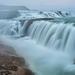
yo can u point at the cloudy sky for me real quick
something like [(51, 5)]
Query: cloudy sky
[(41, 4)]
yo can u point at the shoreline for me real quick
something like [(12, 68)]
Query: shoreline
[(11, 63)]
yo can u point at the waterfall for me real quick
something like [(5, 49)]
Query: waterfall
[(48, 47), (52, 34)]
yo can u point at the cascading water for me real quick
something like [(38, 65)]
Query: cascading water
[(48, 47), (9, 27), (55, 35)]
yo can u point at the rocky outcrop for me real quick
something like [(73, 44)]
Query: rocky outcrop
[(11, 63)]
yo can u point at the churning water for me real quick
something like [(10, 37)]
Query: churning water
[(48, 47)]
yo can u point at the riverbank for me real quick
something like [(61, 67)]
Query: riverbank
[(11, 63)]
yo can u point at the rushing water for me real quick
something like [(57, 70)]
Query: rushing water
[(48, 47)]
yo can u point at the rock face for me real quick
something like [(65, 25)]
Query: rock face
[(11, 63)]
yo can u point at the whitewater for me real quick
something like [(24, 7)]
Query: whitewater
[(48, 47)]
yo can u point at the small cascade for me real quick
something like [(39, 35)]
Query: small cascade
[(13, 28), (9, 27), (23, 29)]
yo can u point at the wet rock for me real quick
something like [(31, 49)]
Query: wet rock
[(11, 63)]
